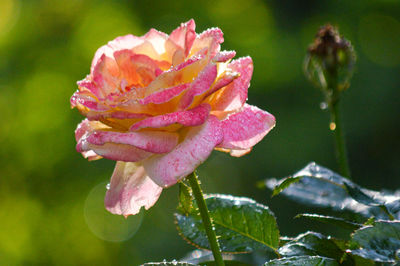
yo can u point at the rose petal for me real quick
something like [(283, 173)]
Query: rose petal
[(192, 117), (166, 170), (188, 61), (123, 42), (184, 36), (114, 114), (164, 95), (151, 141), (223, 80), (87, 126), (157, 40), (199, 86), (115, 152), (137, 69), (83, 128), (106, 76), (246, 128), (211, 38), (88, 84), (86, 99), (233, 96), (130, 190), (224, 56), (174, 77), (112, 151)]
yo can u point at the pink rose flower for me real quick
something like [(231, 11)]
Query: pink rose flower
[(159, 105)]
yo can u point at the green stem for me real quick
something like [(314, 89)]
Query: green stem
[(341, 153), (205, 216), (336, 124)]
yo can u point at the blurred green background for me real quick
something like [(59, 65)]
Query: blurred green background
[(51, 199)]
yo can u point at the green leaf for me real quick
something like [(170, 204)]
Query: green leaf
[(313, 244), (227, 262), (205, 257), (185, 198), (371, 221), (285, 184), (241, 224), (331, 220), (374, 200), (175, 263), (320, 187), (380, 242), (303, 261), (356, 193), (285, 239)]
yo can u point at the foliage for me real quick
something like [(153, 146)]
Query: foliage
[(303, 260), (242, 225), (245, 226), (336, 192)]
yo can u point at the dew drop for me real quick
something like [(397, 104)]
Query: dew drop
[(323, 105), (397, 254), (332, 126), (196, 254), (108, 186)]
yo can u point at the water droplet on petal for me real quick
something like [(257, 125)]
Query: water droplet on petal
[(108, 186)]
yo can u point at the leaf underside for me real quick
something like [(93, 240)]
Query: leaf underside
[(320, 187), (303, 261), (380, 242)]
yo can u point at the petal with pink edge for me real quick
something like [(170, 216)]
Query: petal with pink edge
[(164, 95), (192, 117), (184, 36), (123, 42), (130, 190), (224, 56), (157, 40), (211, 38), (87, 99), (106, 76), (112, 151), (199, 86), (88, 84), (87, 126), (137, 69), (166, 170), (223, 80), (151, 141), (115, 114), (83, 128), (245, 128), (233, 96)]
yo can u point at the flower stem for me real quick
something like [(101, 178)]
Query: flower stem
[(341, 153), (205, 216), (333, 100)]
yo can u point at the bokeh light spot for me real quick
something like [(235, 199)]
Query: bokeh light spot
[(379, 37), (107, 226), (8, 15), (101, 24), (19, 217)]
